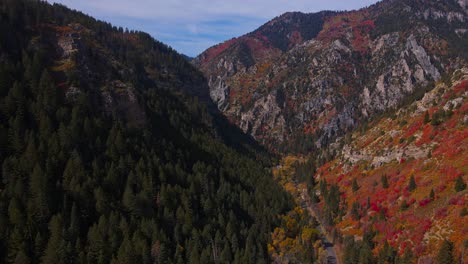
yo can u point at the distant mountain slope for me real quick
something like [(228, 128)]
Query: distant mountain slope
[(107, 157), (402, 180), (306, 78)]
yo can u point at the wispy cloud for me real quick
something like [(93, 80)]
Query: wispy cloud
[(191, 26)]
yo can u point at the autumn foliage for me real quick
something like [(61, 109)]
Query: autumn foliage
[(408, 178)]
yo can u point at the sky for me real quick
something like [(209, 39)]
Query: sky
[(191, 26)]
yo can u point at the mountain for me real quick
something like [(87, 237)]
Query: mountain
[(301, 80), (401, 182), (111, 153)]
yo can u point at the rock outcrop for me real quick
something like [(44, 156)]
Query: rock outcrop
[(319, 75)]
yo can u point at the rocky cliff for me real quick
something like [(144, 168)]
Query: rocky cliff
[(306, 78)]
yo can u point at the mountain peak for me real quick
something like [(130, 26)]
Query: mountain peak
[(304, 75)]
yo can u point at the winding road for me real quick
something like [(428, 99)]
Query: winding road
[(332, 257)]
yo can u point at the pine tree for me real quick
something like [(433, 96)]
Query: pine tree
[(38, 246), (387, 254), (407, 257), (22, 258), (74, 174), (15, 244), (128, 198), (384, 180), (226, 255), (412, 184), (365, 255), (460, 185), (16, 131), (445, 255), (355, 185), (355, 210), (74, 228), (426, 118), (48, 94), (194, 256), (16, 212), (404, 205), (126, 252), (96, 244), (55, 250), (39, 205)]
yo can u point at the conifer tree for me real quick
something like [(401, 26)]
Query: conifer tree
[(460, 185), (15, 244), (39, 205), (355, 185), (445, 255), (426, 118), (365, 254), (432, 195), (412, 184), (55, 250), (48, 94), (384, 180)]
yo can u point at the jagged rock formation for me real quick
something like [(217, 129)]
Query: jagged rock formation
[(321, 74)]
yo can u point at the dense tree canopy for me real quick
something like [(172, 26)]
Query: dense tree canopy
[(84, 184)]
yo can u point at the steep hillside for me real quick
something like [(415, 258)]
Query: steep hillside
[(306, 78), (106, 156), (400, 184)]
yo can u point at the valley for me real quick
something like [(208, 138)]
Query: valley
[(377, 195), (329, 137)]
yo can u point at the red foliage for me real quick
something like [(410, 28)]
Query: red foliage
[(441, 188), (424, 202), (295, 38), (340, 178), (462, 87), (457, 200), (343, 196), (413, 129), (262, 37), (426, 136), (216, 50), (368, 23), (441, 213), (419, 249), (450, 172), (464, 108)]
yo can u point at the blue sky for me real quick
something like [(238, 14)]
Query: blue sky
[(191, 26)]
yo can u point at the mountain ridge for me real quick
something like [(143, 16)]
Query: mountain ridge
[(351, 50)]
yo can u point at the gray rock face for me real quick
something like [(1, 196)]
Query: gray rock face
[(219, 92), (422, 57), (265, 115), (327, 85), (399, 78)]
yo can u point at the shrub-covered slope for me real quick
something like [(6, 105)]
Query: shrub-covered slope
[(401, 181)]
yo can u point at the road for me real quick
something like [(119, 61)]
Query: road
[(332, 257)]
